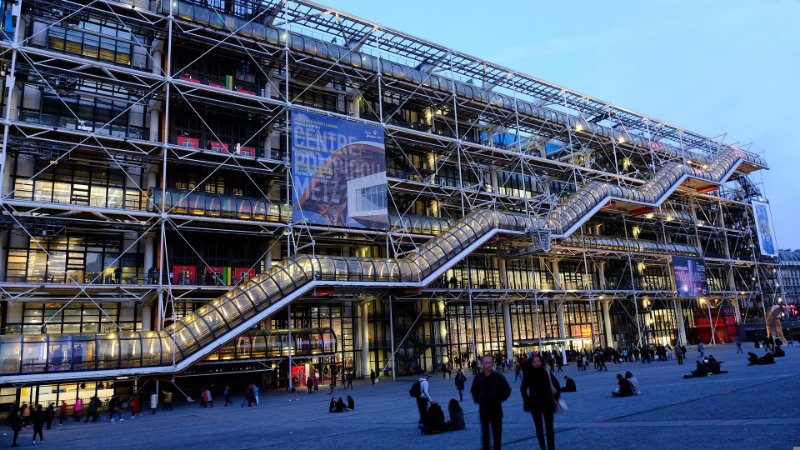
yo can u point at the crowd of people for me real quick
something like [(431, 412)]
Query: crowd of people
[(539, 389)]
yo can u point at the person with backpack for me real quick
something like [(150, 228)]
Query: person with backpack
[(490, 390), (420, 391), (461, 380)]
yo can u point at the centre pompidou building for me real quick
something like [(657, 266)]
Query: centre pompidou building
[(268, 190)]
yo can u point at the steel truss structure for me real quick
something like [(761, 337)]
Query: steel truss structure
[(162, 127)]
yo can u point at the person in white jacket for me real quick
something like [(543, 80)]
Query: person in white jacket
[(153, 402)]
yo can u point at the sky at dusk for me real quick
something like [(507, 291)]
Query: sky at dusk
[(718, 68)]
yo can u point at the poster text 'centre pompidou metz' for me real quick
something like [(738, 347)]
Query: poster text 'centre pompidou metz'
[(690, 276), (338, 172)]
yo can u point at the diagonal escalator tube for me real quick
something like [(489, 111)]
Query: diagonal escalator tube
[(53, 357)]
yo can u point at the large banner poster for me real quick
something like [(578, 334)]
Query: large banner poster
[(690, 276), (338, 172), (766, 234)]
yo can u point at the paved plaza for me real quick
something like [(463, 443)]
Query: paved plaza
[(748, 408)]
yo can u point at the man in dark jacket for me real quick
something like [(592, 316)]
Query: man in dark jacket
[(490, 390)]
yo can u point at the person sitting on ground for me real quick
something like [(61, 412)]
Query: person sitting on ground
[(700, 370), (714, 366), (624, 389), (433, 422), (769, 358), (778, 350), (340, 406), (351, 404), (456, 416), (752, 358), (332, 405), (634, 382), (569, 385)]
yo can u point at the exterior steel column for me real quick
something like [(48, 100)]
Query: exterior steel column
[(444, 356), (556, 275), (606, 305), (501, 269), (601, 274), (679, 320), (364, 339), (562, 330), (508, 332), (3, 253)]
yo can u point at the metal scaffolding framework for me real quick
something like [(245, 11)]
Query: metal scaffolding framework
[(163, 126)]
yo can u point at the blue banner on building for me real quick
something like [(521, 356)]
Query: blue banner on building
[(690, 276), (766, 234), (338, 172)]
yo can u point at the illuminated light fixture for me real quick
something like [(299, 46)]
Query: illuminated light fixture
[(669, 218), (689, 161), (650, 215), (621, 140), (578, 127)]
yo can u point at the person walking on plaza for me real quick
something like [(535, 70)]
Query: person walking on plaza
[(15, 422), (153, 402), (679, 355), (115, 409), (62, 412), (460, 382), (204, 398), (227, 394), (26, 415), (350, 377), (133, 404), (540, 394), (92, 413), (39, 418), (77, 409), (489, 390), (424, 397), (739, 346), (701, 348), (256, 396), (51, 414)]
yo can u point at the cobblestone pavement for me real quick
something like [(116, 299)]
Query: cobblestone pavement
[(748, 408)]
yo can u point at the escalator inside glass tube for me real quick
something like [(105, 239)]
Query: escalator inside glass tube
[(32, 358)]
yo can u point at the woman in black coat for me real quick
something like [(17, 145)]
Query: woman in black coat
[(540, 393)]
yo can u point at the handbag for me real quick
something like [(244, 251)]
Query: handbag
[(559, 405)]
